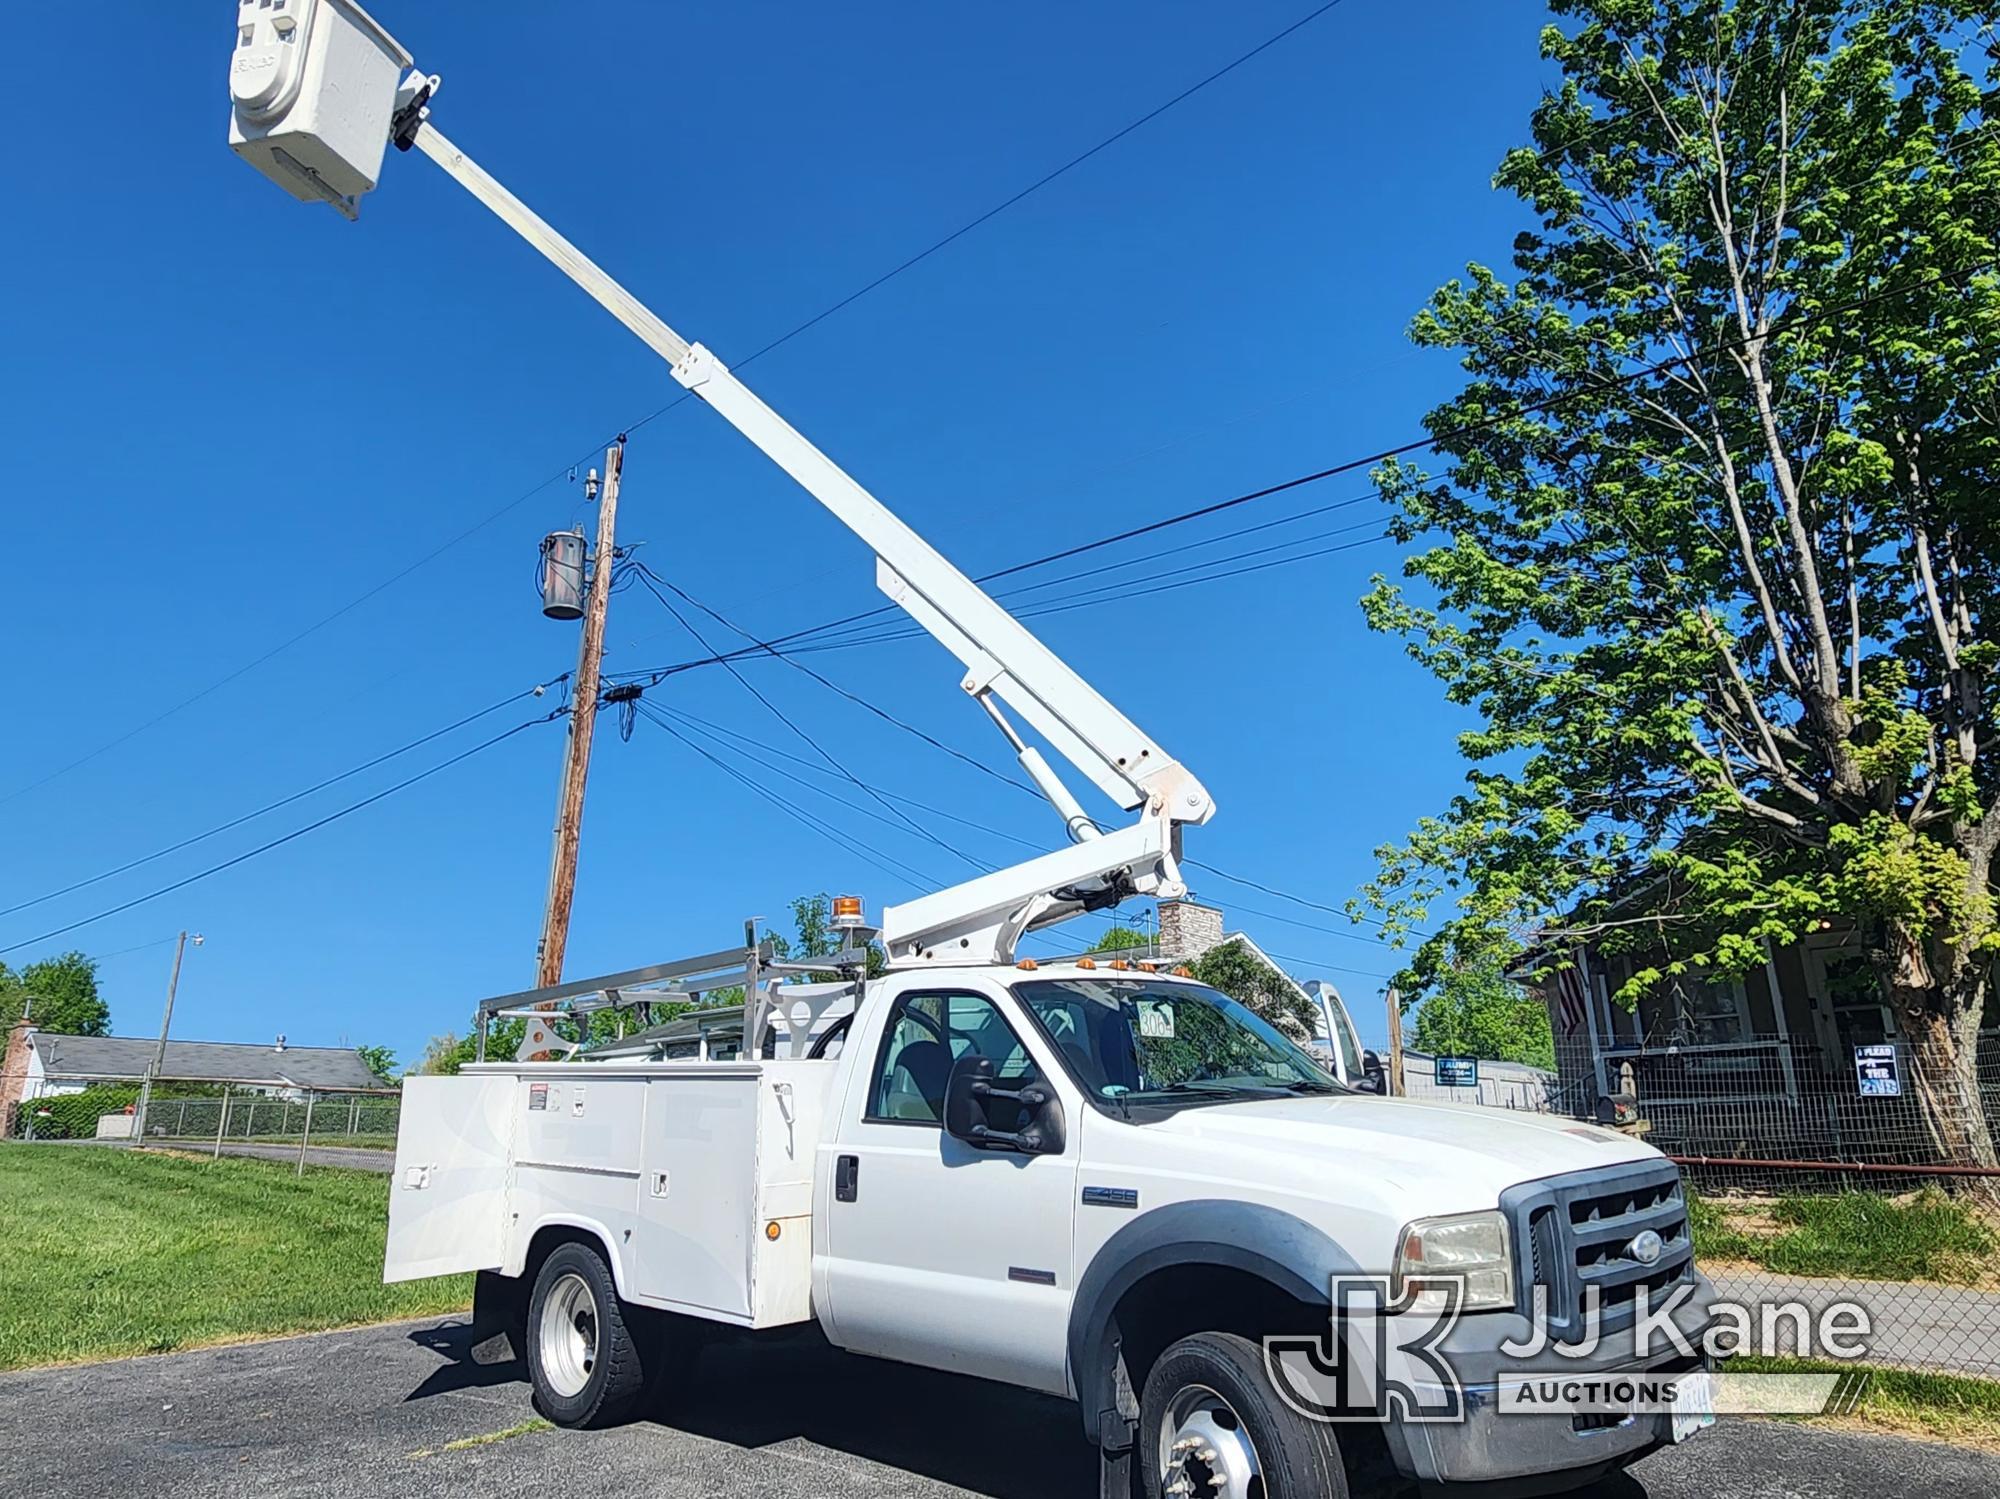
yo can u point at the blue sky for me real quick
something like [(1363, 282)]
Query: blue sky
[(231, 415)]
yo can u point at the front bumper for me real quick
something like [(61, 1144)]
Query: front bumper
[(1491, 1446)]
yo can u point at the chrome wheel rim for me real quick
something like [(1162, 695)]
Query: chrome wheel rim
[(567, 1335), (1204, 1450)]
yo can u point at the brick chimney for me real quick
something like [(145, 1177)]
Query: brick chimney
[(1187, 930), (14, 1070)]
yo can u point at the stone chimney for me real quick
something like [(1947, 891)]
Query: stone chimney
[(1187, 930), (14, 1071)]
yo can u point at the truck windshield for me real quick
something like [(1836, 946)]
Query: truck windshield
[(1131, 1042)]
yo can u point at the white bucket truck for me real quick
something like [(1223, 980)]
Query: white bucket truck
[(1088, 1179)]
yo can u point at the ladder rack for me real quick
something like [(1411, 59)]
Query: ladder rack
[(755, 966)]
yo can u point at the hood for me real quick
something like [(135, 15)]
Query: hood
[(1455, 1157)]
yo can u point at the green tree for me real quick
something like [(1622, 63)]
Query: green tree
[(444, 1055), (1714, 560), (1121, 939), (1246, 978), (1480, 1012), (381, 1061), (816, 937), (60, 995)]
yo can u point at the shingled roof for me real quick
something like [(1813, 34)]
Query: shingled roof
[(123, 1058)]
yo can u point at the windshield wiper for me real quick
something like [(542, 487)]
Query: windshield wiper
[(1309, 1085)]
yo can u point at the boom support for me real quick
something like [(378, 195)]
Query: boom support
[(981, 920)]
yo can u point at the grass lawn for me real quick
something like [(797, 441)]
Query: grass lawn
[(1926, 1236), (1938, 1407), (113, 1252), (328, 1141)]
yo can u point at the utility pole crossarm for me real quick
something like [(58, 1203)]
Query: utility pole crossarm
[(1002, 658)]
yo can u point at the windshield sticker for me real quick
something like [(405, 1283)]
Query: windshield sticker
[(1156, 1020)]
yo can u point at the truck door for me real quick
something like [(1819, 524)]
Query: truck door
[(940, 1254)]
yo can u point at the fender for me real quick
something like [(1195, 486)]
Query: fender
[(517, 1261), (1274, 1246)]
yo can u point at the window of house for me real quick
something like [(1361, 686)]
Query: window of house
[(926, 1034), (1716, 1013), (1849, 988)]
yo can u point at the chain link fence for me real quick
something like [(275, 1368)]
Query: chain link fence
[(1812, 1186), (191, 1114)]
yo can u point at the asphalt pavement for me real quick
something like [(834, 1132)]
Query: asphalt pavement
[(373, 1413)]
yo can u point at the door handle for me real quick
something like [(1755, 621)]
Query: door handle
[(846, 1177)]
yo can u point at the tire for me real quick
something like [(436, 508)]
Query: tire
[(1208, 1412), (585, 1363)]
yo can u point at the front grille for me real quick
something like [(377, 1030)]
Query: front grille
[(1577, 1235)]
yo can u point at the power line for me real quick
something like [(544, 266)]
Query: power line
[(135, 948), (784, 338), (1029, 191), (1300, 900), (295, 834), (284, 801), (741, 743), (279, 649), (1433, 440), (1285, 957), (834, 687), (648, 577), (746, 740), (843, 840)]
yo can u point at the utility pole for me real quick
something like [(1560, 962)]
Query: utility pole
[(582, 725), (160, 1051), (1395, 1044)]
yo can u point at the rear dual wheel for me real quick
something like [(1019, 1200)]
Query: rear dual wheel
[(591, 1357)]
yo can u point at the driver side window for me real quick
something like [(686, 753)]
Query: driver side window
[(926, 1034)]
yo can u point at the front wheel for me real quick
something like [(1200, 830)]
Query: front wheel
[(582, 1357), (1211, 1427)]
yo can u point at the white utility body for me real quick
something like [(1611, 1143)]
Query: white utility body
[(1091, 1179)]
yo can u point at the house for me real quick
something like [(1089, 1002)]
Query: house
[(40, 1064), (1765, 1067)]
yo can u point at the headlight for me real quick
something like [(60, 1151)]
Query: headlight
[(1473, 1247)]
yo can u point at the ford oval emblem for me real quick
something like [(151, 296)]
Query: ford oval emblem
[(1647, 1248)]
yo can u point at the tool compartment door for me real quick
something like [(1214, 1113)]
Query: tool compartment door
[(448, 1198)]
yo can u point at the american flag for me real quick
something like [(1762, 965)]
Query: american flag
[(1570, 1000)]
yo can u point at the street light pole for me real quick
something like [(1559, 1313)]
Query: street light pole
[(160, 1051)]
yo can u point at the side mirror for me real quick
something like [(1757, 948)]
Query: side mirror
[(973, 1101), (1373, 1078)]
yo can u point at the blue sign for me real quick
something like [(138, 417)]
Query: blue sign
[(1457, 1072), (1875, 1069)]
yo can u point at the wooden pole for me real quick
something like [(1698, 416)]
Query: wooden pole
[(582, 725), (159, 1052), (305, 1135), (1395, 1044)]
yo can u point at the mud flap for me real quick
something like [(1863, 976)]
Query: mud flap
[(499, 1318)]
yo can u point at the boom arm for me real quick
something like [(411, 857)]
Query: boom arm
[(980, 920)]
